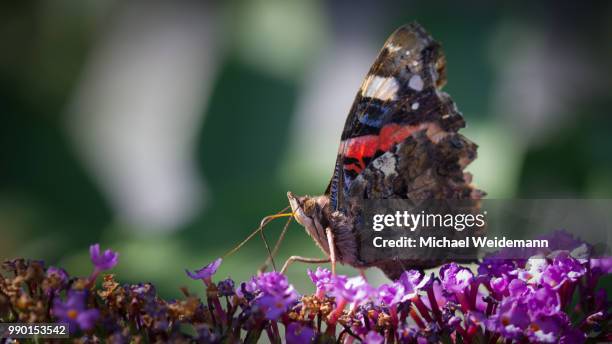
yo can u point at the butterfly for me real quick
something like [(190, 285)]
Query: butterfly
[(400, 141)]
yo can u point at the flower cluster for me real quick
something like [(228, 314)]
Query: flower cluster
[(549, 298)]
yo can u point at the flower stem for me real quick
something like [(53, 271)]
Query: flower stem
[(333, 317), (416, 318), (422, 308), (434, 304)]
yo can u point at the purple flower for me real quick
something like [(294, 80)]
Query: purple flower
[(74, 312), (516, 287), (544, 301), (572, 336), (104, 261), (563, 269), (143, 292), (57, 277), (322, 279), (453, 321), (528, 313), (347, 290), (276, 294), (226, 287), (406, 333), (373, 337), (511, 319), (555, 328), (206, 272), (391, 294), (341, 289), (413, 281), (298, 334), (601, 266), (455, 278), (533, 271), (364, 292), (353, 290), (497, 267), (58, 273), (499, 284), (520, 300), (273, 283), (274, 305), (545, 330), (248, 289)]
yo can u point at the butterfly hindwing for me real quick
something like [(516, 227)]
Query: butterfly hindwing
[(425, 166)]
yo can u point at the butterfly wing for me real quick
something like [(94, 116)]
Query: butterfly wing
[(399, 97), (401, 141), (425, 166)]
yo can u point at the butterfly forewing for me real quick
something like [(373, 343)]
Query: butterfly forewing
[(398, 96)]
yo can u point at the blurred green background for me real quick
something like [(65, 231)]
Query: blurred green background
[(167, 129)]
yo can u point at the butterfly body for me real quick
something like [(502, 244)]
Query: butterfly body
[(400, 141)]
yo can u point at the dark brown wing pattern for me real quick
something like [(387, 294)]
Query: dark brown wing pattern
[(399, 96)]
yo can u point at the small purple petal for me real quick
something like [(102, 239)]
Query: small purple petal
[(87, 319), (391, 294), (516, 287), (413, 281), (322, 279), (60, 276), (533, 271), (499, 284), (206, 272), (298, 334), (373, 338), (363, 291), (104, 261), (563, 269), (74, 312), (601, 266), (226, 287), (349, 289), (277, 295), (455, 278), (544, 301)]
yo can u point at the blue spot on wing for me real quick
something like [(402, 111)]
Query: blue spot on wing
[(375, 115)]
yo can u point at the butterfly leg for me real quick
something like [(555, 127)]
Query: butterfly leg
[(303, 260), (332, 249)]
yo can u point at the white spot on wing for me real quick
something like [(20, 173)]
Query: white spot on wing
[(383, 88), (385, 163), (415, 106), (416, 83), (393, 48)]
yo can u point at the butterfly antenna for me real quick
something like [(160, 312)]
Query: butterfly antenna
[(262, 225), (281, 237), (270, 257)]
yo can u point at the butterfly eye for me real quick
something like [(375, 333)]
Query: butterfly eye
[(309, 207)]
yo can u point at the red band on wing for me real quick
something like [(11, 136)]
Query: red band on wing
[(366, 146)]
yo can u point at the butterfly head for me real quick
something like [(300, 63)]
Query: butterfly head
[(306, 209), (311, 212)]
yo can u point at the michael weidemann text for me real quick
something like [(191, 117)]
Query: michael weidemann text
[(413, 221)]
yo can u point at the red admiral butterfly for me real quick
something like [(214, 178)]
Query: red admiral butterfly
[(400, 141)]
